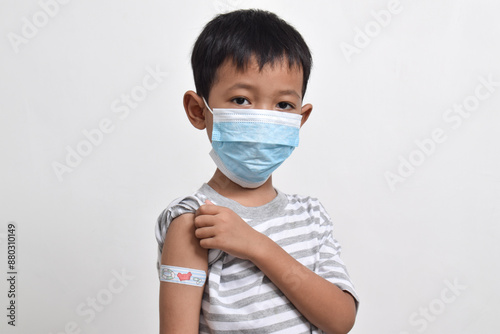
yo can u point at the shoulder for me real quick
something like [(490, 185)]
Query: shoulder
[(308, 205), (301, 199), (177, 208)]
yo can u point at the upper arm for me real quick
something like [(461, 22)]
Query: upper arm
[(180, 304)]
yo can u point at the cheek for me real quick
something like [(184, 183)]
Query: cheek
[(209, 126), (209, 134)]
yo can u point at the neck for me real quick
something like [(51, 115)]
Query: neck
[(245, 196)]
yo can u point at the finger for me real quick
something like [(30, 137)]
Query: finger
[(208, 209), (204, 221), (207, 243), (205, 232), (203, 210)]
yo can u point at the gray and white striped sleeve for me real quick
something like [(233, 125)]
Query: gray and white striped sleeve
[(331, 267)]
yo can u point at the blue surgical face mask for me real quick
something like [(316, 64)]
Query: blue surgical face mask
[(249, 144)]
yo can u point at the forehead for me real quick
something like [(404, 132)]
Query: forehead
[(277, 71)]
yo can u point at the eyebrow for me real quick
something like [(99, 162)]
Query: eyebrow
[(289, 92), (241, 85), (250, 87)]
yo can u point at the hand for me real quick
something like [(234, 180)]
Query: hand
[(221, 228)]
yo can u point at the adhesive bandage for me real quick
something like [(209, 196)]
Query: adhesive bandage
[(182, 275)]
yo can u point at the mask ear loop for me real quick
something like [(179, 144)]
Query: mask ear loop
[(206, 104)]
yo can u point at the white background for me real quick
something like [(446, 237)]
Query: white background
[(405, 245)]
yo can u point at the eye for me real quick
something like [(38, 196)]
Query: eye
[(240, 100), (284, 105)]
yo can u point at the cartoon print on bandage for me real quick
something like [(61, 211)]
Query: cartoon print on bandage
[(181, 275)]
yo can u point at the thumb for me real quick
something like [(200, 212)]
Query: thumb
[(198, 211)]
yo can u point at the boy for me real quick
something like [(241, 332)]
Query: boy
[(239, 256)]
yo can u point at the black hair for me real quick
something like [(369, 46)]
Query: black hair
[(242, 34)]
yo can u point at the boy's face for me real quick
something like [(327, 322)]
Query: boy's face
[(275, 87)]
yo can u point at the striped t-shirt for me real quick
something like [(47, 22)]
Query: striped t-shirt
[(238, 297)]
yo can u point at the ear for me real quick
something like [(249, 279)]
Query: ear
[(194, 107), (305, 112)]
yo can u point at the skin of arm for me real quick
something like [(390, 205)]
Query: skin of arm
[(320, 301), (180, 304)]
